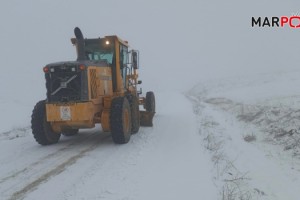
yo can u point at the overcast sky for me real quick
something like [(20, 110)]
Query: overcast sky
[(181, 42)]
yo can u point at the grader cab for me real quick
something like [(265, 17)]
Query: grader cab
[(101, 86)]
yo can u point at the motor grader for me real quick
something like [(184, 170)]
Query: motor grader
[(101, 86)]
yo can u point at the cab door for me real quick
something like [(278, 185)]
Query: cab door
[(125, 70)]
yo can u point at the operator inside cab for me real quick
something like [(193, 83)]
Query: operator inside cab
[(100, 50)]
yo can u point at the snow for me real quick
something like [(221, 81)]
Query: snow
[(267, 166), (163, 162), (227, 122)]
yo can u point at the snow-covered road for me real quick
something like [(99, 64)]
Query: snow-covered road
[(163, 162)]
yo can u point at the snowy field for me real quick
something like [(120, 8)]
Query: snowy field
[(220, 143), (251, 131), (231, 138)]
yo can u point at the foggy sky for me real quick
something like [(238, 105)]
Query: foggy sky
[(181, 43)]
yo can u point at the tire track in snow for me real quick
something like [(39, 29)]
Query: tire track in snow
[(57, 170), (14, 133), (162, 162), (17, 185), (28, 167)]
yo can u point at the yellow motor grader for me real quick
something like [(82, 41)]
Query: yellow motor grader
[(99, 87)]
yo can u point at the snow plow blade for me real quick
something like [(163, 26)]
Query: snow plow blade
[(146, 118)]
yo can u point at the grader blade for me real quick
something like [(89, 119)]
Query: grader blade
[(146, 118)]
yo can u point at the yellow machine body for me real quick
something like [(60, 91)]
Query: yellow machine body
[(103, 85)]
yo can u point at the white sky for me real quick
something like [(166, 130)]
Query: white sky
[(180, 42)]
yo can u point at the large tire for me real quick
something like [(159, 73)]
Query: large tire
[(150, 102), (70, 132), (135, 113), (41, 129), (120, 120)]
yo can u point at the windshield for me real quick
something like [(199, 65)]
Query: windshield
[(99, 50)]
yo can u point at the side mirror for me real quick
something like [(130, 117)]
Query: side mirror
[(135, 60), (139, 82)]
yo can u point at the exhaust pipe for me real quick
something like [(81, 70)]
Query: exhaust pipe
[(80, 44)]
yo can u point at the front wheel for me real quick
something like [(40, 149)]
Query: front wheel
[(135, 113), (150, 102), (41, 129), (120, 120)]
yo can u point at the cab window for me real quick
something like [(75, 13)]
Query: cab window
[(124, 62), (100, 50)]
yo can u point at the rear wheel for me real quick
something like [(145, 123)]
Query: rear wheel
[(120, 120), (41, 129), (150, 102), (70, 132), (135, 113)]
